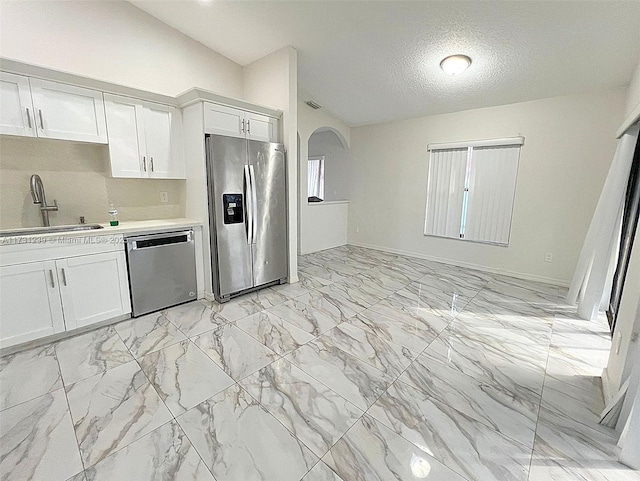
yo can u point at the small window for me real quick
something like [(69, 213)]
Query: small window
[(316, 179), (471, 189)]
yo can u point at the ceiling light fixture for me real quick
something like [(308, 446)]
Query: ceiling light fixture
[(455, 64)]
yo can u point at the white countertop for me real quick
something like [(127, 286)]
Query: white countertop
[(124, 228), (329, 202), (140, 226)]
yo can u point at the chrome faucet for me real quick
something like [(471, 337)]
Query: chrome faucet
[(37, 193)]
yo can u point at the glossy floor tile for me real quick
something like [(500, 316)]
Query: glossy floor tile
[(321, 472), (490, 404), (355, 380), (83, 356), (164, 453), (184, 376), (194, 318), (374, 367), (371, 451), (311, 411), (280, 336), (386, 356), (37, 441), (458, 441), (148, 333), (112, 409), (235, 351), (239, 440), (28, 374)]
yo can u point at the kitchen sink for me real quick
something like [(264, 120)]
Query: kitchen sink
[(49, 230)]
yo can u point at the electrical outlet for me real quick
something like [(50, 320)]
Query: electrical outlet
[(548, 257), (164, 197)]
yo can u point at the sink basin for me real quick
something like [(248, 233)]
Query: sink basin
[(49, 230)]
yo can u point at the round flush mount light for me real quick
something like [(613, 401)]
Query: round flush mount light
[(455, 64)]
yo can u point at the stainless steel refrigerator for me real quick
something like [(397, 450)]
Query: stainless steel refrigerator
[(246, 181)]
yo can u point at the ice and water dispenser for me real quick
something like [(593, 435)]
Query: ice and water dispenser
[(233, 208)]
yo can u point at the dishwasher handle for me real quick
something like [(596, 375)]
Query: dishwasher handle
[(159, 240)]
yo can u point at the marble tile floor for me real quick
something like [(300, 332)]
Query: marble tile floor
[(374, 367)]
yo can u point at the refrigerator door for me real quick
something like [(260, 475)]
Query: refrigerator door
[(228, 185), (268, 170)]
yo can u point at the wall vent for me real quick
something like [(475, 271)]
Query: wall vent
[(313, 105)]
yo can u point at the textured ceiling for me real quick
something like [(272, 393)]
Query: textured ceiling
[(370, 62)]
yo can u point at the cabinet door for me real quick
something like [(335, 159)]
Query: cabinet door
[(30, 304), (222, 120), (157, 136), (126, 136), (163, 140), (262, 128), (68, 113), (94, 288), (16, 109)]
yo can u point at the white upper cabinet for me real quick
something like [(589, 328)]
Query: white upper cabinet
[(126, 138), (163, 139), (145, 139), (16, 108), (223, 120), (67, 112), (261, 127)]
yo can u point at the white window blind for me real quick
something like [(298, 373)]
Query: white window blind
[(445, 191), (470, 191), (492, 187), (315, 179)]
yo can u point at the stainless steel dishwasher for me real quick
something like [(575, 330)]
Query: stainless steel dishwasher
[(162, 270)]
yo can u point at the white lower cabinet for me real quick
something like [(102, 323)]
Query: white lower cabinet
[(43, 298), (93, 288), (30, 305)]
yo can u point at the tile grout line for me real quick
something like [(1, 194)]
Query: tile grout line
[(544, 380), (66, 398)]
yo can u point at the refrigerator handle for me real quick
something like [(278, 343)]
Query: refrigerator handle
[(249, 203), (254, 204)]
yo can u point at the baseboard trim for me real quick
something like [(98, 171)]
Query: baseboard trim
[(479, 267), (607, 388)]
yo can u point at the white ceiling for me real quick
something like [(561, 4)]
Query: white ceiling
[(372, 61)]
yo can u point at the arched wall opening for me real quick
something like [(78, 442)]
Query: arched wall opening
[(325, 159)]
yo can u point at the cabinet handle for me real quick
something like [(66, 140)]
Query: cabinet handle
[(53, 282), (144, 163), (248, 126), (242, 126), (151, 164), (28, 118), (41, 121), (64, 277)]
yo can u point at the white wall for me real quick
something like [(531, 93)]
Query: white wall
[(569, 144), (633, 94), (326, 226), (315, 234), (337, 164), (623, 358), (76, 175), (115, 42), (273, 81)]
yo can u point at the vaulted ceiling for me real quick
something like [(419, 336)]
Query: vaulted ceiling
[(373, 61)]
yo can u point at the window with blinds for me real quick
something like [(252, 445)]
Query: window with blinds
[(470, 190)]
